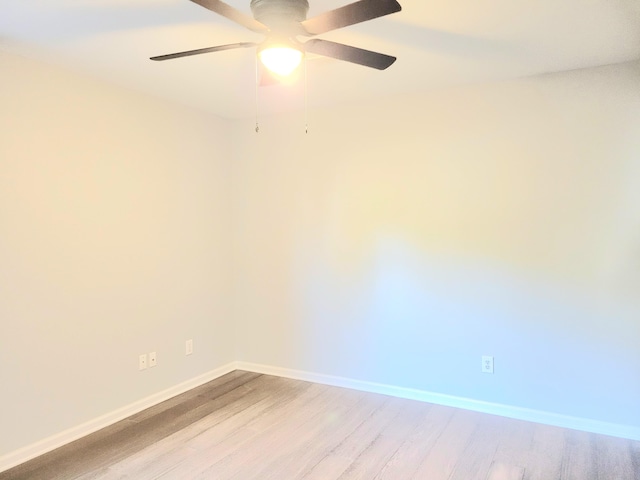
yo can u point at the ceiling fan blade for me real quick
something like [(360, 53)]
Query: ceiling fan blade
[(199, 51), (347, 53), (232, 14), (351, 14)]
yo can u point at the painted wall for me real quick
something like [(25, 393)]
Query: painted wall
[(114, 241), (398, 242)]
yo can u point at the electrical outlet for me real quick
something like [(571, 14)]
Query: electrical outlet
[(142, 362), (188, 347), (487, 364), (153, 359)]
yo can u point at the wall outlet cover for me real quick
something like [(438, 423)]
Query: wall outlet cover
[(142, 362), (487, 364)]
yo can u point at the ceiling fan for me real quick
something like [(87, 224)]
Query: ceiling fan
[(282, 21)]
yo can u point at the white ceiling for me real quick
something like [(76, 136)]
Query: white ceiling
[(437, 42)]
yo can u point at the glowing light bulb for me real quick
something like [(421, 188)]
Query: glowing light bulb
[(281, 60)]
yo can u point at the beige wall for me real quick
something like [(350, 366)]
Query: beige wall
[(114, 241), (400, 241)]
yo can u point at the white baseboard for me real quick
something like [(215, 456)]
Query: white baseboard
[(547, 418), (41, 447)]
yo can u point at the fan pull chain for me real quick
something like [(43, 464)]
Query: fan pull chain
[(257, 83), (306, 97)]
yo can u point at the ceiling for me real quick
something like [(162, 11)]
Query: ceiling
[(437, 42)]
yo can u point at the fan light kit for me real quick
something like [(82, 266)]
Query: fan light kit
[(280, 58), (282, 21)]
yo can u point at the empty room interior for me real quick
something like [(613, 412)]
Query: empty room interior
[(422, 269)]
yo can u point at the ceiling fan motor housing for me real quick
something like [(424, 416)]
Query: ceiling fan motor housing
[(280, 15)]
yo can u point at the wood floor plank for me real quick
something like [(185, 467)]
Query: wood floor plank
[(612, 460), (219, 450), (577, 462), (252, 446), (514, 445), (193, 450), (385, 444), (545, 453), (247, 426), (298, 455), (441, 460), (340, 423), (347, 449), (417, 445), (244, 463), (250, 400), (503, 471), (634, 453), (208, 391), (476, 459)]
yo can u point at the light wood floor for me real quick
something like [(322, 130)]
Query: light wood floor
[(248, 426)]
